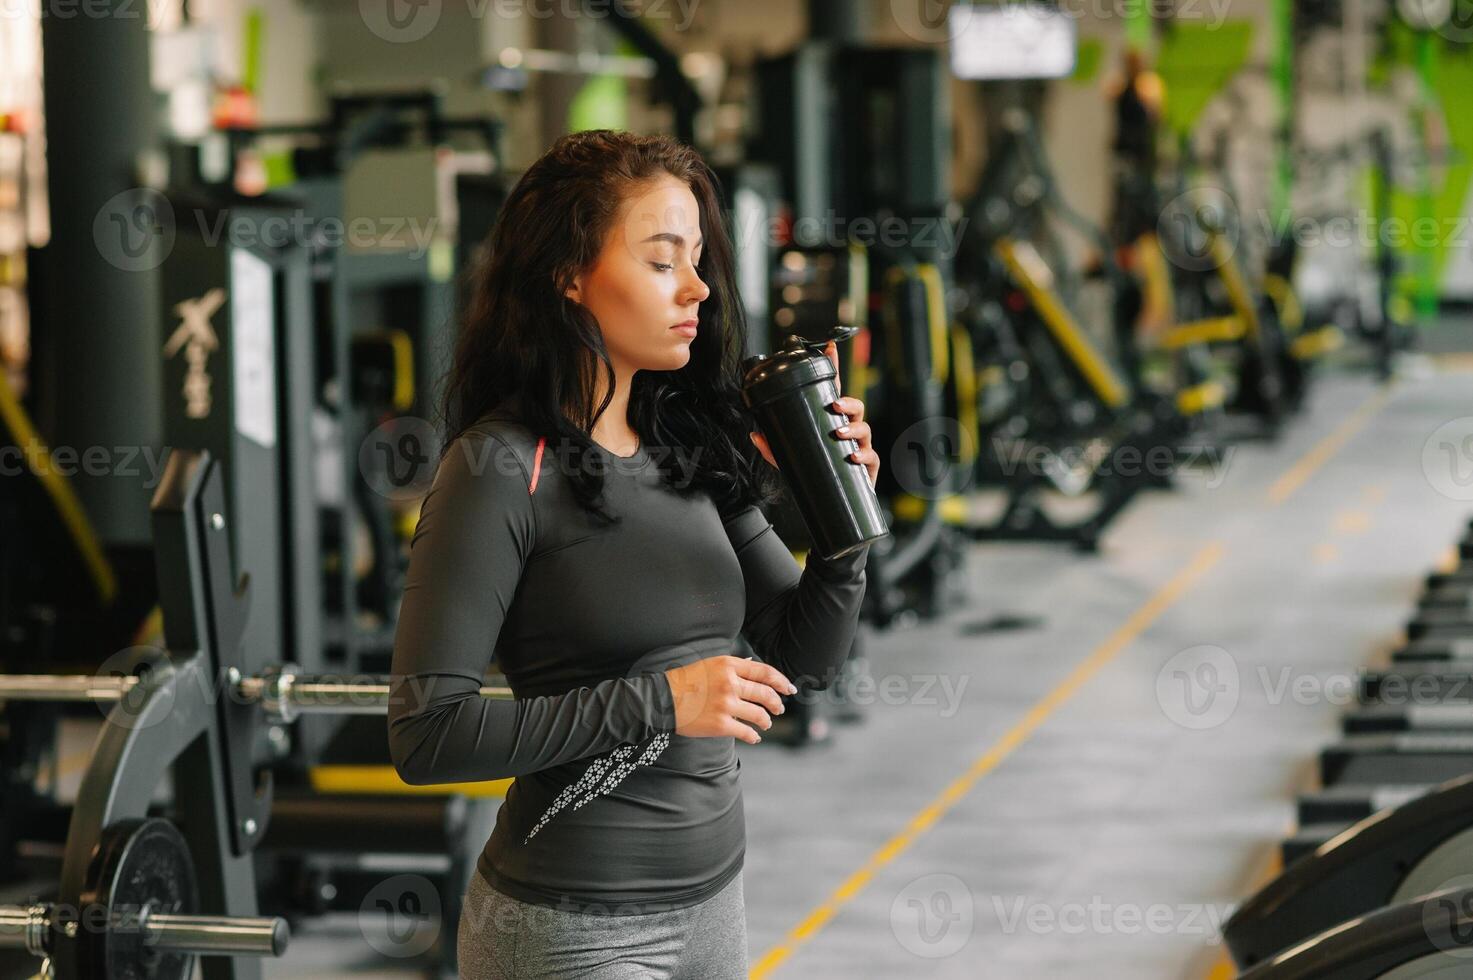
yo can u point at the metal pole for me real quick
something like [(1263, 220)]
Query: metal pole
[(26, 926), (98, 315), (217, 935), (284, 694)]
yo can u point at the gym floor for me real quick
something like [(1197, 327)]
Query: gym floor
[(1077, 771)]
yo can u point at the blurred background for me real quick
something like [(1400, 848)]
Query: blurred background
[(1162, 313)]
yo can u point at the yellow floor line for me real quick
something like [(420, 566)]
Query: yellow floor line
[(1138, 622), (1222, 969), (1325, 450), (1352, 521)]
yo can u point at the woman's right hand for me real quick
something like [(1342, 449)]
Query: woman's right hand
[(717, 696)]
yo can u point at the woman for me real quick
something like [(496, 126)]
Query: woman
[(594, 522)]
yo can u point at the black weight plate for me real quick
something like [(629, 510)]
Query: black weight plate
[(140, 865)]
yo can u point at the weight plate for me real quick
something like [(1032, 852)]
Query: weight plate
[(141, 867)]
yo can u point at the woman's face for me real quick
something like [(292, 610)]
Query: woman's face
[(643, 288)]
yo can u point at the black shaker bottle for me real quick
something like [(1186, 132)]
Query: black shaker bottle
[(788, 392)]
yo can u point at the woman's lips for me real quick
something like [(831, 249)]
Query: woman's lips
[(686, 329)]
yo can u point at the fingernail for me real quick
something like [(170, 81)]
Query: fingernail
[(843, 430)]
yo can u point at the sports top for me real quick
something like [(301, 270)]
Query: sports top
[(610, 810)]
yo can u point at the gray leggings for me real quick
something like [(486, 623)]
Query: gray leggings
[(502, 938)]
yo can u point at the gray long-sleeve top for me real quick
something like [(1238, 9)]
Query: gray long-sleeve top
[(610, 811)]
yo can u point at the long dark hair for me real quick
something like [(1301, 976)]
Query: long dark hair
[(524, 339)]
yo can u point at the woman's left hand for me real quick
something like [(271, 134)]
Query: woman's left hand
[(855, 427)]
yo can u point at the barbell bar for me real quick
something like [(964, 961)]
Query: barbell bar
[(283, 693), (26, 926)]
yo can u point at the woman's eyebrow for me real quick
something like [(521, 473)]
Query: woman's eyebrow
[(673, 238)]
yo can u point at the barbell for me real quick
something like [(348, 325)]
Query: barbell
[(282, 692), (138, 916)]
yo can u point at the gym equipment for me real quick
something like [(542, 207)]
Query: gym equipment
[(1391, 825), (1348, 285), (1341, 806), (61, 590), (139, 920), (1212, 292), (316, 855), (1389, 857), (1220, 270), (1412, 757), (1414, 726), (1050, 392), (166, 711), (282, 693), (171, 721), (1426, 939)]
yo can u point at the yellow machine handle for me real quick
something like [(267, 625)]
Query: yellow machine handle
[(1032, 275)]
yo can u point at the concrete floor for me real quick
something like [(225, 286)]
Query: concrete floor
[(1085, 796)]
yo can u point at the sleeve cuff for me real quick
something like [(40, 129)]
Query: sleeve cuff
[(846, 567), (661, 702)]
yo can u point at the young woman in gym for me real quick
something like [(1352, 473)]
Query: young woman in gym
[(593, 520)]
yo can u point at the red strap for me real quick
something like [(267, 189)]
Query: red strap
[(537, 466)]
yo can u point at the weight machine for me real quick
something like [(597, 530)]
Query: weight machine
[(133, 881), (1050, 392)]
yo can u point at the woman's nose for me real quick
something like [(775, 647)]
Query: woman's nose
[(696, 289)]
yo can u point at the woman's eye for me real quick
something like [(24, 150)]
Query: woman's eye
[(662, 266)]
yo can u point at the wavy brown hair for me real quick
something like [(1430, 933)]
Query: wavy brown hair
[(524, 339)]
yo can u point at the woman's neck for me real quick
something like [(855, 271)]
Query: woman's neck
[(612, 430)]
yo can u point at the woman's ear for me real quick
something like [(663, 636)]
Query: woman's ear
[(575, 291)]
